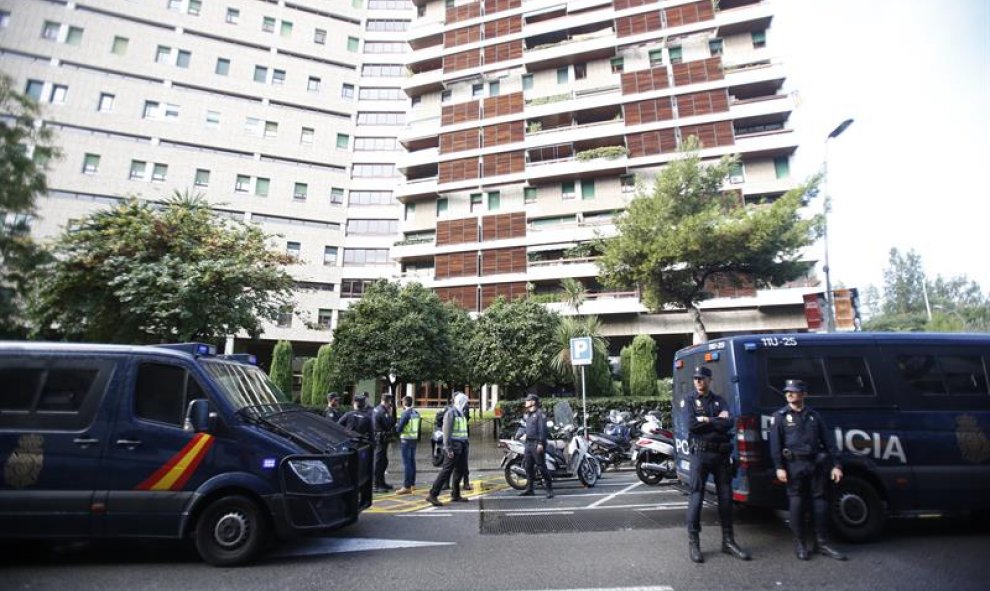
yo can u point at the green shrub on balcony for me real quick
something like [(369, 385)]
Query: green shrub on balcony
[(607, 152), (546, 100)]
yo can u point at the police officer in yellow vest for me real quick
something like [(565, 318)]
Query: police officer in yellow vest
[(455, 455), (408, 429)]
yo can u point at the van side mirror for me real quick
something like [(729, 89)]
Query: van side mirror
[(198, 416)]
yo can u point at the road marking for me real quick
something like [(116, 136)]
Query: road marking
[(559, 509), (613, 495), (542, 513), (322, 546), (563, 494), (653, 588)]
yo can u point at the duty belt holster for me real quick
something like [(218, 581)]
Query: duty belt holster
[(709, 446), (793, 456)]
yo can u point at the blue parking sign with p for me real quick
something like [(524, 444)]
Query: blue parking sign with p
[(581, 351)]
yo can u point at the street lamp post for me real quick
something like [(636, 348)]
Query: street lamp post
[(829, 300)]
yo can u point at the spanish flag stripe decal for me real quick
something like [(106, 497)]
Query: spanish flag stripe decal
[(186, 459), (193, 464)]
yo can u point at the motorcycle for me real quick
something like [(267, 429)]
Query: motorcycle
[(436, 442), (614, 445), (653, 451), (566, 454)]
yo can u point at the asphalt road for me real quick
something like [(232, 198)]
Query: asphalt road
[(620, 534)]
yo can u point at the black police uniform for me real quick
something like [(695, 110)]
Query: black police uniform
[(799, 444), (333, 414), (710, 446), (359, 421), (383, 425), (536, 435)]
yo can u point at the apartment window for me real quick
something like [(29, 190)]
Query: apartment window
[(278, 77), (656, 57), (137, 169), (352, 44), (372, 227), (442, 204), (715, 47), (33, 89), (336, 196), (159, 173), (373, 170), (416, 100), (306, 136), (782, 167), (476, 199), (409, 211), (347, 91), (627, 183), (212, 118), (171, 111), (151, 109), (91, 164), (375, 144), (119, 46), (562, 75), (106, 103), (223, 66), (300, 191), (759, 39), (493, 88), (529, 194), (373, 93), (324, 318), (381, 118), (183, 58), (330, 256), (320, 36), (286, 30), (175, 5), (313, 84), (567, 190), (384, 47), (365, 256), (163, 54), (58, 94), (371, 198), (4, 19), (382, 70), (260, 74), (202, 178), (261, 186), (343, 141), (676, 55), (617, 64), (293, 249), (736, 174), (587, 189), (271, 129), (527, 81), (580, 71), (233, 16), (242, 183), (383, 25), (477, 90), (194, 7), (50, 30), (74, 36), (284, 318), (445, 96), (494, 200), (268, 24)]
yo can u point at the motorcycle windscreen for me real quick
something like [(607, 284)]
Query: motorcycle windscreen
[(562, 414)]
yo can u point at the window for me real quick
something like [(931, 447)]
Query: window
[(50, 30), (4, 19), (324, 318), (375, 144), (91, 164), (252, 126), (163, 54), (373, 170), (562, 75), (119, 46), (271, 129), (313, 84), (159, 173), (261, 185), (194, 7), (162, 393), (293, 249), (782, 167), (656, 57), (74, 36), (182, 59), (286, 29), (567, 190), (442, 204), (715, 47), (343, 141), (494, 200), (587, 188), (233, 16), (106, 103), (384, 47), (242, 183), (373, 93), (330, 256), (580, 71), (759, 39), (137, 169), (372, 227), (676, 55), (59, 92), (278, 77), (175, 5), (476, 201), (306, 136), (736, 173), (529, 194), (320, 36), (416, 100), (336, 196), (171, 111), (929, 375), (365, 256), (477, 90), (849, 376), (223, 66), (352, 44), (284, 319), (807, 368), (409, 211), (627, 183), (527, 81), (33, 89), (381, 118), (386, 25), (202, 178), (382, 70), (445, 96), (212, 118), (371, 198), (260, 74), (268, 24), (347, 91), (617, 64), (300, 191), (151, 110)]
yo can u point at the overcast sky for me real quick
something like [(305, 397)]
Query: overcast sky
[(913, 169)]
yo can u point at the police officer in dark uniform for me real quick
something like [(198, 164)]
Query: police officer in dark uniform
[(383, 425), (536, 445), (359, 419), (805, 457), (709, 440), (332, 411)]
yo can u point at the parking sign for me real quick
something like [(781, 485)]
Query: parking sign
[(581, 351)]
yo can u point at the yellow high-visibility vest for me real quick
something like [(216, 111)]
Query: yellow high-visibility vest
[(411, 430), (460, 428)]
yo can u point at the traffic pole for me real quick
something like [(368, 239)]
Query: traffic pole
[(584, 404)]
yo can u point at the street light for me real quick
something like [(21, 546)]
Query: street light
[(829, 303)]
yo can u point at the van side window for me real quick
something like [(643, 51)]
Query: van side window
[(53, 393), (66, 388), (964, 374), (849, 376), (20, 386), (807, 368), (921, 374), (160, 394)]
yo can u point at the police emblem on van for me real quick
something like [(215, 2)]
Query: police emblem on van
[(24, 464), (972, 441)]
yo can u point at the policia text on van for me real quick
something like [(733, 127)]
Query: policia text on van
[(910, 414), (168, 441)]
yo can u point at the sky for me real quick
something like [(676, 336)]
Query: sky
[(913, 170)]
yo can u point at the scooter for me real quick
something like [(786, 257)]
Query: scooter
[(436, 443), (566, 454), (614, 446), (653, 451)]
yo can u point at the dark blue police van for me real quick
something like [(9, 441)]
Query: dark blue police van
[(910, 414), (167, 441)]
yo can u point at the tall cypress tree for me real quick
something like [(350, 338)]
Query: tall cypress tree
[(308, 397), (643, 381), (281, 370)]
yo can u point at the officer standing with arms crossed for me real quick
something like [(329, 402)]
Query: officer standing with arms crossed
[(536, 445), (802, 453), (384, 426), (710, 444), (455, 458), (408, 429)]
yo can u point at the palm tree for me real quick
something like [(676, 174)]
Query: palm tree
[(574, 293), (571, 327)]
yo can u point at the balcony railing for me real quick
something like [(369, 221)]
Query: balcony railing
[(563, 261)]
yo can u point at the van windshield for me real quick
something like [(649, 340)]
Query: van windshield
[(244, 385)]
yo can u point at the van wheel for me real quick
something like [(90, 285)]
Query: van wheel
[(231, 531), (857, 512)]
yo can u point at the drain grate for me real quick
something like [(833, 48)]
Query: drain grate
[(579, 521), (501, 524)]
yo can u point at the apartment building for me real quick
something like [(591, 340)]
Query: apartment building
[(281, 113), (533, 122)]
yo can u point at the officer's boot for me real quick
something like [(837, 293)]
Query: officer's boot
[(800, 550), (827, 549), (694, 548), (549, 489), (729, 545)]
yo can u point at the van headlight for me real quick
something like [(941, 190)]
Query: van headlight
[(311, 472)]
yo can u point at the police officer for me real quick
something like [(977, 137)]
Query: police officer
[(536, 445), (359, 419), (805, 457), (710, 445), (332, 411), (383, 425), (408, 429), (455, 460)]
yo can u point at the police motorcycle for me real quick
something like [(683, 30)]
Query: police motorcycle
[(567, 454), (436, 441), (653, 451), (614, 445)]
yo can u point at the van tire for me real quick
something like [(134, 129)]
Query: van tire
[(857, 511), (231, 531)]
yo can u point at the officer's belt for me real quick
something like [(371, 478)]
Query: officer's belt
[(534, 440), (711, 446), (793, 456)]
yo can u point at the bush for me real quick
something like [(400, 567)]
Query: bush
[(281, 370), (598, 409), (643, 377), (625, 368), (306, 397), (321, 373), (607, 152)]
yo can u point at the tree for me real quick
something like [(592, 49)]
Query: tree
[(598, 377), (673, 243), (513, 345), (643, 381), (625, 367), (460, 328), (281, 369), (574, 293), (306, 394), (903, 283), (322, 372), (150, 273), (395, 333), (26, 149)]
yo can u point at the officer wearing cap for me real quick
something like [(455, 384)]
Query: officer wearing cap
[(710, 444), (332, 411), (805, 457), (383, 424), (534, 457), (359, 419)]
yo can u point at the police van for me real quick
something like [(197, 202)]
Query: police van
[(167, 441), (910, 414)]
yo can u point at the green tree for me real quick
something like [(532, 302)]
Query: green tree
[(460, 328), (322, 372), (150, 273), (903, 284), (598, 376), (281, 369), (26, 149), (625, 367), (574, 293), (513, 345), (672, 243), (306, 394), (643, 378), (395, 333)]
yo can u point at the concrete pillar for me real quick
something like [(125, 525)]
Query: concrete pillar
[(228, 346)]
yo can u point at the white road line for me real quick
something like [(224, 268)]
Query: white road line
[(322, 546), (653, 588), (558, 509), (665, 491), (542, 513), (612, 496)]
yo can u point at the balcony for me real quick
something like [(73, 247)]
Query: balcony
[(408, 160), (563, 267), (417, 190)]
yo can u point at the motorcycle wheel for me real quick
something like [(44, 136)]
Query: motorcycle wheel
[(588, 472), (651, 478), (437, 459), (515, 480)]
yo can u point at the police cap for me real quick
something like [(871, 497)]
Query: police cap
[(360, 397), (795, 386), (532, 397), (332, 396), (702, 372)]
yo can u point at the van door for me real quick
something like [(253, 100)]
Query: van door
[(152, 460), (52, 433)]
